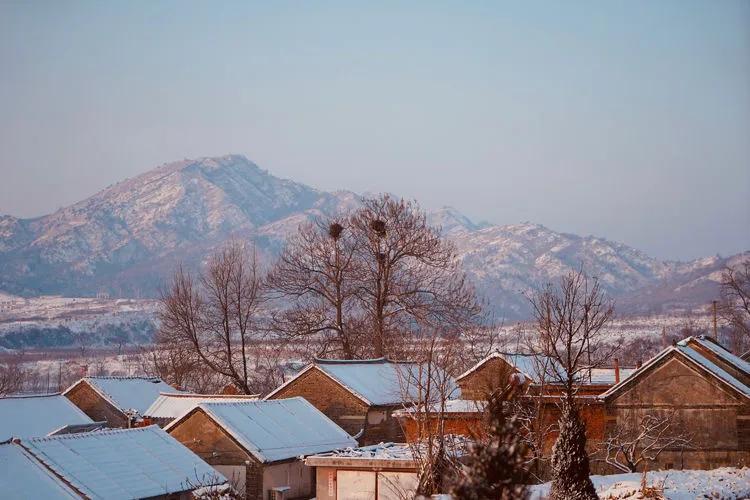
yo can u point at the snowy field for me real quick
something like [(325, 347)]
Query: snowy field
[(725, 483)]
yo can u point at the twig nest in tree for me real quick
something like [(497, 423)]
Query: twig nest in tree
[(378, 226), (335, 230)]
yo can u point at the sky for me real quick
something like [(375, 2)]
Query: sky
[(625, 119)]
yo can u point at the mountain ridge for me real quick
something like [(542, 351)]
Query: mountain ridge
[(126, 239)]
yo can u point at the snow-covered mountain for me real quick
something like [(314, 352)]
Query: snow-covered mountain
[(125, 240)]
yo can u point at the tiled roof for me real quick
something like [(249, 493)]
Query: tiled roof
[(172, 405), (36, 416), (127, 393), (277, 429), (123, 464), (377, 382)]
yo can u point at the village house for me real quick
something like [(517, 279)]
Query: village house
[(170, 405), (386, 471), (708, 389), (110, 464), (116, 400), (26, 416), (455, 416), (258, 444), (537, 373), (360, 395)]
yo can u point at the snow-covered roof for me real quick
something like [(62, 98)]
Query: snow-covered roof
[(606, 376), (277, 429), (451, 406), (532, 367), (22, 477), (123, 464), (172, 405), (36, 416), (529, 365), (377, 382), (716, 348), (684, 350), (127, 393), (382, 451), (456, 445)]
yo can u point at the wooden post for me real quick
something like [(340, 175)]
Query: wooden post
[(716, 334)]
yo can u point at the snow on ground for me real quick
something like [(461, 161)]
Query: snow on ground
[(725, 483)]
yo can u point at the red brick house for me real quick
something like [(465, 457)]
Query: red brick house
[(257, 445), (359, 395), (116, 400), (707, 387)]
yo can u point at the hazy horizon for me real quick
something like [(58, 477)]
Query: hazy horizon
[(629, 121)]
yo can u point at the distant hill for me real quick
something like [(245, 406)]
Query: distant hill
[(127, 239)]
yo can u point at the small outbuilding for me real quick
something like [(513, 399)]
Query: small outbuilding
[(116, 400), (258, 444)]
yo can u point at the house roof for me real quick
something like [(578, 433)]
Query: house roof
[(452, 407), (606, 376), (23, 477), (529, 365), (274, 430), (532, 367), (377, 382), (38, 415), (690, 355), (123, 464), (713, 346), (127, 393), (385, 454), (172, 405)]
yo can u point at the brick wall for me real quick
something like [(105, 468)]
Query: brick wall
[(492, 374), (208, 441), (338, 404), (95, 406), (703, 406)]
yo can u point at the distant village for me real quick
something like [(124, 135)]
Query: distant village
[(343, 429)]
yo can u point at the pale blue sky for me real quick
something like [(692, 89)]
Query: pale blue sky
[(628, 120)]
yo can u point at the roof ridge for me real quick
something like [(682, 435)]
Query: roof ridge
[(85, 435), (26, 396), (216, 396), (123, 377)]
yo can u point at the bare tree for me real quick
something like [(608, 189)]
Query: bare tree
[(315, 272), (427, 385), (361, 282), (569, 320), (216, 316), (406, 273), (12, 377), (629, 447), (735, 300)]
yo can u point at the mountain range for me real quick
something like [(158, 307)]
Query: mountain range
[(127, 239)]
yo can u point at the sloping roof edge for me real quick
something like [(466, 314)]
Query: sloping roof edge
[(661, 356), (307, 369)]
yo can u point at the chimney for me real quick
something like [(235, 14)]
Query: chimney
[(640, 362), (617, 371)]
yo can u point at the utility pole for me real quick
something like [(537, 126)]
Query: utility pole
[(716, 336)]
